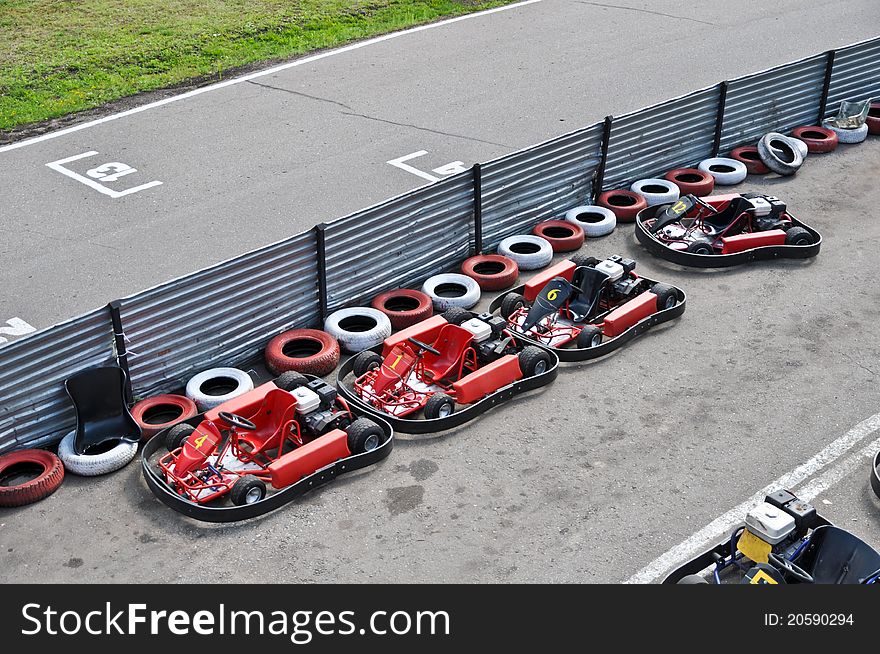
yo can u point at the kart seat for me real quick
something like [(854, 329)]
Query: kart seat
[(590, 282), (276, 411), (835, 556), (102, 415), (451, 343), (727, 216)]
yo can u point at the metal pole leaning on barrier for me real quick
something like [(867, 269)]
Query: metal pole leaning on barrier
[(719, 117), (600, 171), (478, 209), (829, 71), (121, 351), (322, 270)]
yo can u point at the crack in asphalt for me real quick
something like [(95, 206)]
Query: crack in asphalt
[(301, 94), (425, 129), (645, 11)]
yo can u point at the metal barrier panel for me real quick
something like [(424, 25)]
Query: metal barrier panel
[(855, 76), (537, 183), (34, 407), (220, 316), (399, 242), (672, 134), (774, 100)]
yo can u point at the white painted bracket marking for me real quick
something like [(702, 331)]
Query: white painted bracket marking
[(17, 327), (451, 168), (108, 172)]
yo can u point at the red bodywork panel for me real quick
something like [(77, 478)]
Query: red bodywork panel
[(197, 448), (396, 366), (721, 200), (742, 242), (244, 405), (425, 331), (487, 379), (627, 315), (564, 268), (305, 460)]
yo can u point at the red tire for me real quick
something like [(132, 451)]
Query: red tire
[(818, 139), (691, 181), (563, 236), (625, 204), (873, 119), (303, 350), (493, 272), (748, 154), (161, 412), (50, 474), (404, 306)]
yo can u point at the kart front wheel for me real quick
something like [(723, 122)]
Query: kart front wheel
[(700, 247), (177, 435), (365, 362), (667, 297), (511, 303), (692, 579), (590, 336), (247, 490), (798, 236), (439, 405), (363, 436), (533, 361)]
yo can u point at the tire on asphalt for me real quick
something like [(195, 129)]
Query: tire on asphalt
[(849, 135), (726, 171), (49, 475), (302, 350), (110, 457), (449, 290), (656, 191), (691, 181), (594, 220), (562, 235), (158, 413), (780, 153), (358, 328), (403, 306), (530, 252), (748, 156), (213, 387), (625, 204), (818, 139), (493, 272)]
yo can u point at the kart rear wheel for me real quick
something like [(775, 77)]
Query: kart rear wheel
[(798, 236), (533, 361), (700, 247), (511, 303), (692, 579), (364, 436), (247, 490), (291, 380), (590, 336), (667, 296), (177, 435), (582, 260), (439, 405), (365, 362), (457, 315)]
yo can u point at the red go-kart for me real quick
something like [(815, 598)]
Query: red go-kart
[(725, 224), (276, 434), (454, 359), (584, 300)]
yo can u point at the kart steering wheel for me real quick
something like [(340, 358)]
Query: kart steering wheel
[(705, 204), (234, 420), (791, 568), (424, 346)]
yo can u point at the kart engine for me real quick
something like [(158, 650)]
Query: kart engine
[(781, 520), (490, 342), (769, 210), (316, 406), (618, 270)]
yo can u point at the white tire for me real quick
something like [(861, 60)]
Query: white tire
[(358, 328), (197, 386), (442, 302), (656, 191), (801, 146), (594, 220), (92, 465), (538, 254), (783, 158), (723, 176), (848, 135)]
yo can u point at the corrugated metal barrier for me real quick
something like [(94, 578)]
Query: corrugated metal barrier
[(225, 314)]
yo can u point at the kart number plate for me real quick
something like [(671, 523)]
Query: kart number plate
[(753, 547)]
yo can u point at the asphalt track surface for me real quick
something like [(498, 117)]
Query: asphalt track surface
[(613, 472)]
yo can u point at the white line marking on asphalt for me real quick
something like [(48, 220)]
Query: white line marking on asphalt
[(399, 163), (17, 327), (261, 73), (109, 172), (725, 523)]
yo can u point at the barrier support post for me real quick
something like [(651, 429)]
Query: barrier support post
[(600, 171), (719, 117), (478, 209), (322, 270), (121, 351), (829, 70)]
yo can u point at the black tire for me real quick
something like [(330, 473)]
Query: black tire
[(291, 380), (364, 362), (177, 435), (700, 247), (533, 361), (582, 260), (247, 490), (590, 336), (798, 236), (364, 436), (457, 315), (667, 296), (510, 303), (692, 579), (439, 405)]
